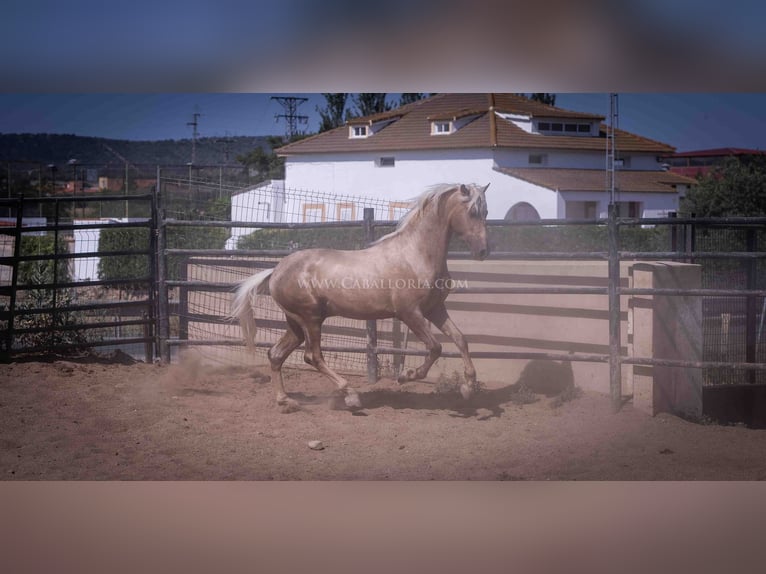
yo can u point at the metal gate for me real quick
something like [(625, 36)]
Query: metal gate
[(73, 282)]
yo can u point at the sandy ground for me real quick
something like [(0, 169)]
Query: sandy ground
[(66, 420)]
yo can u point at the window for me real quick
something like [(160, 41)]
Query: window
[(397, 209), (313, 212), (441, 128), (345, 211), (358, 131), (386, 161), (628, 209), (538, 159), (573, 128), (582, 210)]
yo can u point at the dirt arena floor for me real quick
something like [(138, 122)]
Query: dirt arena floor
[(65, 420)]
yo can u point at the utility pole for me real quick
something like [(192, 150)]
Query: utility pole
[(290, 104), (194, 123), (225, 141), (611, 149)]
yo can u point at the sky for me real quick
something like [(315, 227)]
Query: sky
[(690, 74), (687, 121)]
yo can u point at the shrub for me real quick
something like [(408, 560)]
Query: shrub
[(136, 266)]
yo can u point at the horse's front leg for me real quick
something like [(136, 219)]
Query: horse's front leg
[(421, 328), (439, 317)]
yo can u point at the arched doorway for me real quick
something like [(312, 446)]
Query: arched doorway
[(522, 211)]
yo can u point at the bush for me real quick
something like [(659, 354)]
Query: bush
[(41, 271), (136, 266)]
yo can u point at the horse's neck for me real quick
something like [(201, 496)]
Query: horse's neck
[(428, 240)]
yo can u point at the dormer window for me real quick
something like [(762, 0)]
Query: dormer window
[(441, 128), (358, 132)]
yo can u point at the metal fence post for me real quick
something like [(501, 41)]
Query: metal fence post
[(14, 276), (751, 311), (615, 359), (163, 349), (372, 327)]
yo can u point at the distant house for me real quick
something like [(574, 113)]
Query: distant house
[(541, 161), (701, 162)]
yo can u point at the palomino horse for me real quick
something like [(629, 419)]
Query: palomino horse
[(403, 274)]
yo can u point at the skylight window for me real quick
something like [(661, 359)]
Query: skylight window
[(441, 128), (568, 128)]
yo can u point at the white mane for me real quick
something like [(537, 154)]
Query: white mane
[(427, 199)]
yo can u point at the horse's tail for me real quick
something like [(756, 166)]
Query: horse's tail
[(243, 304)]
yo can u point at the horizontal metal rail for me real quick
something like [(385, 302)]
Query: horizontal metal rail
[(78, 226), (77, 198), (73, 284), (68, 346), (51, 256), (82, 326), (663, 255), (88, 307), (577, 357)]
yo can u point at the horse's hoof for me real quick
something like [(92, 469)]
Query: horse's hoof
[(352, 401), (466, 391), (406, 376)]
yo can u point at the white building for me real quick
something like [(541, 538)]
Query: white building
[(541, 161)]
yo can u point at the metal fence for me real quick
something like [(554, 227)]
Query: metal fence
[(57, 293), (186, 220)]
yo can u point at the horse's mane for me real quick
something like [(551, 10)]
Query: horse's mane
[(425, 202)]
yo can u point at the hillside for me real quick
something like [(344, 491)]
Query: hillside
[(60, 148)]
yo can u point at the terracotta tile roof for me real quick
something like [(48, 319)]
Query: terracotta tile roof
[(724, 151), (412, 129), (595, 179)]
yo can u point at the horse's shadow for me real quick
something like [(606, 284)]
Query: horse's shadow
[(546, 378)]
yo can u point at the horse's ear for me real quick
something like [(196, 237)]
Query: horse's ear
[(485, 188), (464, 190)]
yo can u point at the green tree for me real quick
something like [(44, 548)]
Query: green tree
[(332, 115), (548, 99), (735, 188), (405, 99), (266, 164), (368, 104)]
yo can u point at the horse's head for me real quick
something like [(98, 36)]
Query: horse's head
[(468, 218)]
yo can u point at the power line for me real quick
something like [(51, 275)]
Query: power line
[(290, 104)]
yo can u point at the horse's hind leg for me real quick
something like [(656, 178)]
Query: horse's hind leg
[(291, 339), (314, 353)]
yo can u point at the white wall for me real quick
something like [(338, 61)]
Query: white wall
[(414, 172), (359, 175), (652, 204)]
